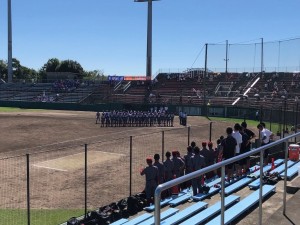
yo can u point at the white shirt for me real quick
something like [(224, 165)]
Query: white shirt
[(265, 133), (238, 137)]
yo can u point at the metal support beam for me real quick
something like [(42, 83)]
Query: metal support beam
[(9, 60)]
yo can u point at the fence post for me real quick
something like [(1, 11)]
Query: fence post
[(28, 189), (222, 195), (162, 145), (296, 123), (261, 186), (85, 180), (130, 167), (189, 135), (285, 176), (210, 130)]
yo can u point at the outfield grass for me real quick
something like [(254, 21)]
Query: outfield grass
[(38, 216), (11, 109), (274, 127)]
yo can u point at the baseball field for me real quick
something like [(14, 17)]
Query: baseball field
[(55, 142)]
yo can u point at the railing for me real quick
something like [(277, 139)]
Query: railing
[(117, 85), (127, 86), (222, 165)]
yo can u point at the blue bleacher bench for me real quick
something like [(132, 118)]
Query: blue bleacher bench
[(281, 168), (235, 211), (255, 184), (138, 219), (201, 196), (211, 211), (119, 222), (277, 162), (292, 171), (164, 215), (257, 173), (164, 202), (180, 200), (237, 185), (213, 182), (182, 215)]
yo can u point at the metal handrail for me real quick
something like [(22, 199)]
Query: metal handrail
[(179, 180)]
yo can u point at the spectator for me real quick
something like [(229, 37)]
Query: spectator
[(228, 150), (151, 175), (198, 162), (160, 167)]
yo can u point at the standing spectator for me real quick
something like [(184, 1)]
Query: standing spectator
[(250, 134), (97, 117), (211, 159), (265, 137), (187, 160), (168, 169), (188, 164), (198, 162), (180, 117), (160, 167), (193, 145), (151, 175), (245, 147), (238, 137), (178, 164), (228, 150), (257, 115), (184, 119)]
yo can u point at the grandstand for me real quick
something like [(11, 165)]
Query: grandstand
[(218, 89)]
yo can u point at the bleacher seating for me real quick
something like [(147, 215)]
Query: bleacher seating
[(238, 209), (210, 211), (183, 214)]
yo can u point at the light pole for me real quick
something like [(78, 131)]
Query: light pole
[(149, 38), (9, 60)]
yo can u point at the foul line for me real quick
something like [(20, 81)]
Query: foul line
[(50, 168)]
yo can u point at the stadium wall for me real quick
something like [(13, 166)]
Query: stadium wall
[(275, 115)]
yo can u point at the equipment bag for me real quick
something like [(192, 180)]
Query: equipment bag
[(73, 221)]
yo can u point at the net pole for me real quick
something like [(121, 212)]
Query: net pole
[(85, 180), (130, 167), (28, 189)]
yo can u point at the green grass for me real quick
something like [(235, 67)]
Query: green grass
[(11, 109), (38, 216), (274, 127)]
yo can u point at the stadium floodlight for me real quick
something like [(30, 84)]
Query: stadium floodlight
[(149, 38), (9, 60)]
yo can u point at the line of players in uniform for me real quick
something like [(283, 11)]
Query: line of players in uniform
[(176, 166), (132, 118), (238, 141)]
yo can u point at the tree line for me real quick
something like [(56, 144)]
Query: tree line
[(21, 72)]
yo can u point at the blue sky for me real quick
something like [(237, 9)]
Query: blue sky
[(111, 35)]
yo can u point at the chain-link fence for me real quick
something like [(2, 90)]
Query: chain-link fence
[(50, 186)]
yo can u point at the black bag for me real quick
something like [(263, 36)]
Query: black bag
[(101, 217), (132, 205), (88, 220), (205, 189), (122, 204), (73, 221), (115, 215)]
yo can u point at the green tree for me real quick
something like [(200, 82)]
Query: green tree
[(3, 70), (69, 66), (51, 65), (17, 69)]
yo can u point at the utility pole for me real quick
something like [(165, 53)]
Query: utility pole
[(9, 61), (149, 39)]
